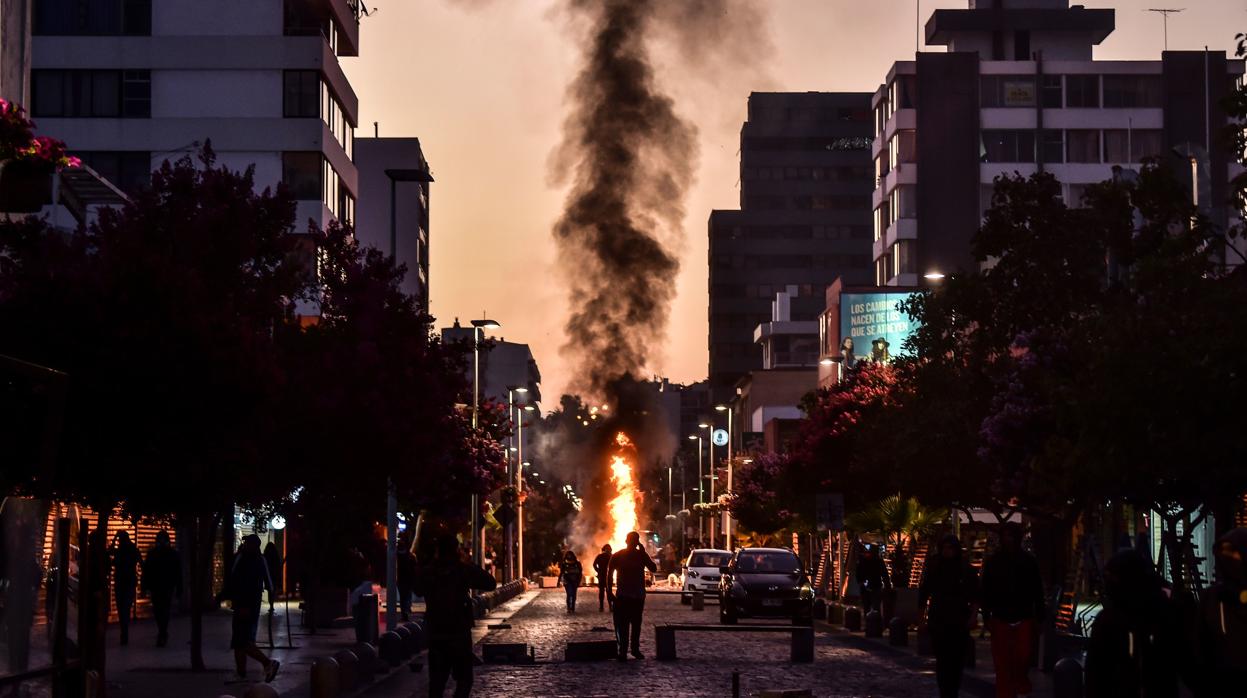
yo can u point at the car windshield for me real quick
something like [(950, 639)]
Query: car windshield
[(781, 563), (710, 560)]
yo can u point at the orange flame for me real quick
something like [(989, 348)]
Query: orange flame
[(623, 507)]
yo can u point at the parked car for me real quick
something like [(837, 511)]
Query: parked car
[(701, 572), (765, 583)]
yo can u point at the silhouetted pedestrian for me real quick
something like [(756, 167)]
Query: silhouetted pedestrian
[(126, 560), (162, 578), (406, 572), (949, 593), (1221, 630), (244, 587), (1013, 608), (627, 568), (872, 578), (601, 564), (445, 584), (1135, 649), (571, 572)]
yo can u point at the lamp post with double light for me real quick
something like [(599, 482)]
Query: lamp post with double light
[(700, 491), (727, 515), (512, 462), (478, 328), (519, 491), (709, 427)]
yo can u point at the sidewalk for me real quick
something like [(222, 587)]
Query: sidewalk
[(979, 681), (142, 670)]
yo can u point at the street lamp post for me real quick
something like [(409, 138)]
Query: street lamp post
[(478, 327), (700, 492), (519, 530), (727, 515), (511, 469), (709, 427)]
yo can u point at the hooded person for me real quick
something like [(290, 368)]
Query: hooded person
[(600, 565), (949, 594), (872, 578), (1134, 649), (1221, 634)]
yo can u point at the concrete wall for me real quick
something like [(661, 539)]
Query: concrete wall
[(217, 18), (15, 42)]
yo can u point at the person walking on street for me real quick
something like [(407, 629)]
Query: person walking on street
[(627, 568), (126, 561), (1135, 647), (244, 588), (1013, 608), (162, 578), (600, 565), (445, 584), (949, 593), (1221, 633), (571, 573), (872, 578)]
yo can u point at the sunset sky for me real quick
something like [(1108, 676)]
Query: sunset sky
[(482, 85)]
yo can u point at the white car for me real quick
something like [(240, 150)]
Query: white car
[(701, 572)]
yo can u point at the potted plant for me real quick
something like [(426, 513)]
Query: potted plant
[(550, 579), (27, 162)]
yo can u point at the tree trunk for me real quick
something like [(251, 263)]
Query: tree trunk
[(200, 548)]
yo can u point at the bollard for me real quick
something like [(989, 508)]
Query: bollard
[(735, 683), (367, 656), (404, 636), (835, 613), (411, 638), (699, 600), (325, 678), (390, 647), (366, 618), (348, 670), (417, 633), (874, 624), (820, 608), (1067, 679), (260, 690), (898, 632), (802, 645), (852, 619)]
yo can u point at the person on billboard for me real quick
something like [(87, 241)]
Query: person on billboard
[(879, 351), (846, 353)]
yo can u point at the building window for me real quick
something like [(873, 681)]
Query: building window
[(1052, 93), (881, 221), (128, 170), (92, 18), (1082, 91), (903, 93), (1008, 146), (1082, 145), (301, 173), (902, 203), (903, 147), (903, 258), (301, 96), (1052, 145), (1126, 146), (91, 93), (1007, 91), (1133, 92)]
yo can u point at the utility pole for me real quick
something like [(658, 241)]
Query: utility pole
[(1164, 13)]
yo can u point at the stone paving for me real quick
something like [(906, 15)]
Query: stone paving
[(705, 665)]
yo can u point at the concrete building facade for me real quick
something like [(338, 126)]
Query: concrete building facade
[(132, 83), (393, 208), (1019, 91), (805, 185)]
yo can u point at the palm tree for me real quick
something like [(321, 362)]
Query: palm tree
[(900, 520)]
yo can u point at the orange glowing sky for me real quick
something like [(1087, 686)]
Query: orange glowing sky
[(483, 90)]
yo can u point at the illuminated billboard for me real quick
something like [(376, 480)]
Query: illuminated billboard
[(873, 327)]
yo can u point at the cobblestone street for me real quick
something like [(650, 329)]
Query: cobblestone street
[(705, 665)]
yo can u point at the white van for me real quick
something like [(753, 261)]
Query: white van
[(701, 572)]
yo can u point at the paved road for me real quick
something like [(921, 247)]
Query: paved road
[(704, 668)]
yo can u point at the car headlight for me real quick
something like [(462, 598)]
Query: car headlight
[(807, 592), (693, 574)]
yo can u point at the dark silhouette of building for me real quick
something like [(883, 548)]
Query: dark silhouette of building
[(805, 186)]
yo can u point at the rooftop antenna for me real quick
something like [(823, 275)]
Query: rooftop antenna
[(1164, 13)]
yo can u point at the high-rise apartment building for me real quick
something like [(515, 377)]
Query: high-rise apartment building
[(393, 211), (129, 84), (1019, 91), (804, 220)]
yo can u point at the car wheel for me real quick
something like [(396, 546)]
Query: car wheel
[(686, 599), (727, 614)]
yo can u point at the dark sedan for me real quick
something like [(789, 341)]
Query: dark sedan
[(765, 583)]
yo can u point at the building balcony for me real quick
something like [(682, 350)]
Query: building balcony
[(901, 120), (902, 229)]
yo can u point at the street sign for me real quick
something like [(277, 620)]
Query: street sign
[(829, 511), (719, 437)]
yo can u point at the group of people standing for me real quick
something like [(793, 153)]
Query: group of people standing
[(1145, 642)]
